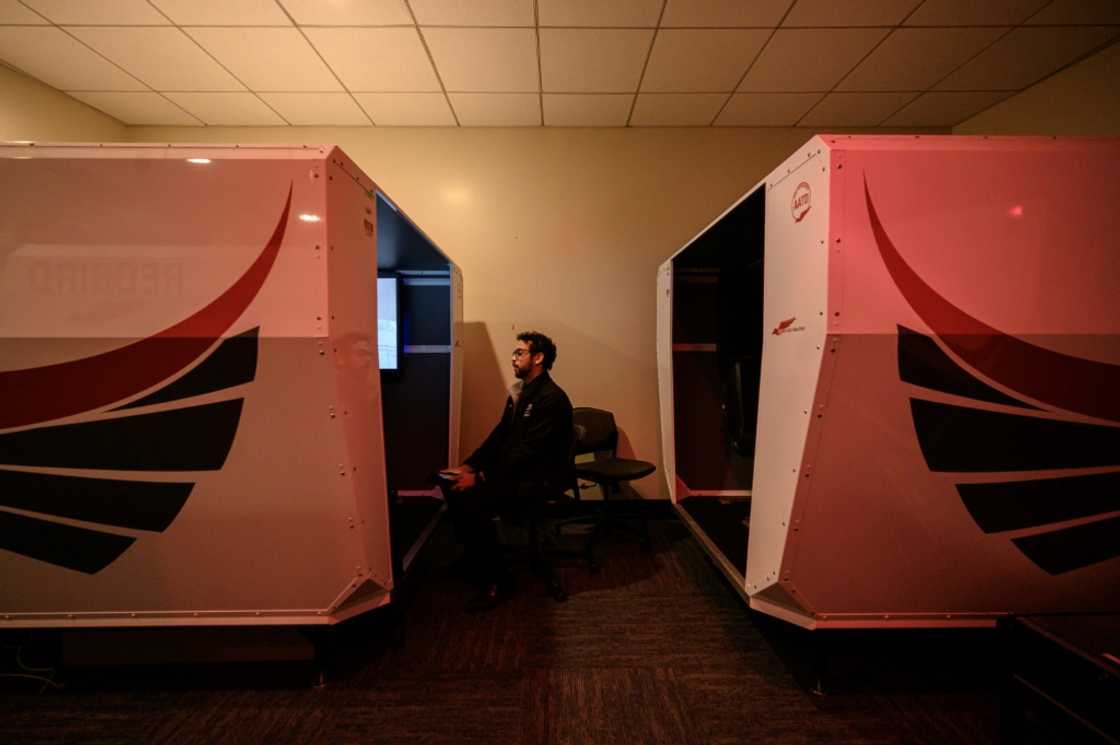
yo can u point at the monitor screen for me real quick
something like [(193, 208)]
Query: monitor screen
[(388, 330)]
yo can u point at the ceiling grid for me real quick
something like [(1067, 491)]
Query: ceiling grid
[(645, 62), (364, 113), (222, 113), (748, 68), (432, 62), (134, 95), (624, 63)]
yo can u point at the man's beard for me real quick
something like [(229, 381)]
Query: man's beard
[(519, 372)]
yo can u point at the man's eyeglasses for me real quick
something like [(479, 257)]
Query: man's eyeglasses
[(519, 353)]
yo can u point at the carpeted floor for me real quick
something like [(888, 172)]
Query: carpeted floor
[(655, 648)]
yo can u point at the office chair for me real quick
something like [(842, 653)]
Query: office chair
[(596, 433)]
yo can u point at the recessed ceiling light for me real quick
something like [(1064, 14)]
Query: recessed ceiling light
[(309, 218), (199, 161)]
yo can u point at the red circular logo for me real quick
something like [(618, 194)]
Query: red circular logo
[(802, 202)]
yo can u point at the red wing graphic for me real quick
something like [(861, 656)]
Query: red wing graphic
[(40, 394), (782, 326), (1071, 383)]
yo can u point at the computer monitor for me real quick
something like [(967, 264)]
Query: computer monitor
[(388, 324)]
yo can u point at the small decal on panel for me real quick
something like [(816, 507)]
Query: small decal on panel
[(802, 201), (786, 327)]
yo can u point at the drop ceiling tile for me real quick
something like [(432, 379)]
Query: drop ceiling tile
[(913, 59), (223, 12), (1026, 55), (138, 108), (164, 58), (485, 59), (497, 109), (630, 13), (267, 59), (228, 109), (473, 13), (676, 109), (972, 13), (593, 60), (695, 60), (376, 59), (587, 110), (809, 59), (1078, 12), (944, 109), (117, 13), (817, 13), (854, 109), (724, 13), (13, 11), (49, 54), (766, 109), (349, 12), (407, 109), (317, 109)]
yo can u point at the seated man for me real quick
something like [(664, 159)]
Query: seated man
[(526, 457)]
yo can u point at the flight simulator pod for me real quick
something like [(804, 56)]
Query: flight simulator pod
[(190, 401), (890, 381)]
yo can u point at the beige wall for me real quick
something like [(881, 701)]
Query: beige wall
[(30, 110), (1081, 100)]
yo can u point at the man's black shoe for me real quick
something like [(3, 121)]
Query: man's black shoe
[(491, 594), (556, 590), (487, 598)]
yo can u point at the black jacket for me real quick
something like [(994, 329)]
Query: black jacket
[(532, 444)]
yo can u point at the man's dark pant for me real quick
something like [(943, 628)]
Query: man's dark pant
[(474, 514)]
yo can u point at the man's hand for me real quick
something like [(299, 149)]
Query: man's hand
[(466, 480)]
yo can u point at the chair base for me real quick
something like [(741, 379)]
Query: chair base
[(607, 519)]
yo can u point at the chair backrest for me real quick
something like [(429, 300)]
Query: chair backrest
[(595, 431)]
